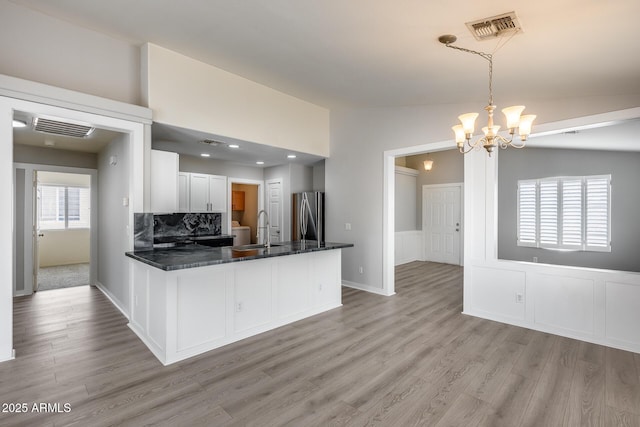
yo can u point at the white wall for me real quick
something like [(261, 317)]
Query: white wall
[(113, 221), (191, 94), (40, 48), (64, 247)]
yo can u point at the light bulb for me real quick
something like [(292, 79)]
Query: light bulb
[(428, 164)]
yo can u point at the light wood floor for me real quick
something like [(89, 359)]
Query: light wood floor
[(410, 359)]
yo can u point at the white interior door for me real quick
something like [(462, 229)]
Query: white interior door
[(441, 223), (274, 209)]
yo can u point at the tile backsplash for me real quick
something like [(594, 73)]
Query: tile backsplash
[(160, 228)]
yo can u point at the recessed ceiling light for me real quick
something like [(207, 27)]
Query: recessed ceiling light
[(205, 155), (19, 123), (234, 146), (291, 156), (259, 162)]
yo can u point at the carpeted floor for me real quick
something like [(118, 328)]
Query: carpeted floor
[(64, 276)]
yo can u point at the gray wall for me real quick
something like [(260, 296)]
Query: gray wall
[(530, 163), (219, 167), (406, 201), (54, 157), (113, 185), (448, 168)]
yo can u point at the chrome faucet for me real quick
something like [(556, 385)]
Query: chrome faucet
[(266, 228)]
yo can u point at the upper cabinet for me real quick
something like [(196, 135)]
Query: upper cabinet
[(237, 200), (164, 181), (207, 193)]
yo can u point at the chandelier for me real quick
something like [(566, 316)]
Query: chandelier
[(491, 139)]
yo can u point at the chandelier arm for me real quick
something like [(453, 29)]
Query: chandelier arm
[(463, 151), (504, 142)]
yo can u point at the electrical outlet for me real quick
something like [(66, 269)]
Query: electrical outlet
[(238, 307), (347, 226), (535, 259), (519, 298), (361, 270), (320, 287)]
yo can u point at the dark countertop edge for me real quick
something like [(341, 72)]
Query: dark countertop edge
[(139, 256)]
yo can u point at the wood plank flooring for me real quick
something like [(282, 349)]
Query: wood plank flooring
[(410, 359)]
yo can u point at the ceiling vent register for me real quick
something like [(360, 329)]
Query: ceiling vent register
[(211, 142), (56, 127), (495, 26)]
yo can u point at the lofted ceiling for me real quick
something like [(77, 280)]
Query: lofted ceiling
[(380, 53)]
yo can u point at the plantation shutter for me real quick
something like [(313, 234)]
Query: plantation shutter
[(527, 213), (572, 213), (79, 200), (598, 193), (52, 207), (549, 212)]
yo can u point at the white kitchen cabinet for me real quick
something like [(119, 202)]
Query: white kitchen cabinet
[(198, 192), (183, 192), (207, 193), (164, 181), (218, 193)]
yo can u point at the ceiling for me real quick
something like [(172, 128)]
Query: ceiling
[(372, 53), (188, 142), (93, 143)]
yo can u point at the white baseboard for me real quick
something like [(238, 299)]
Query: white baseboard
[(111, 298), (366, 288)]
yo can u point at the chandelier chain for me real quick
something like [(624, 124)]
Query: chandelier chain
[(488, 57)]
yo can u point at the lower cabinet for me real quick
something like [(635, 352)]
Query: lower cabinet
[(179, 314)]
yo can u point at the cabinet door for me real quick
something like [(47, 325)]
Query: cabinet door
[(183, 192), (198, 192), (218, 193), (237, 200), (164, 181)]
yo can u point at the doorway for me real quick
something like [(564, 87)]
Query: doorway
[(62, 220), (244, 213)]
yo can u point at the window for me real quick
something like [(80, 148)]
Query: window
[(63, 207), (570, 212)]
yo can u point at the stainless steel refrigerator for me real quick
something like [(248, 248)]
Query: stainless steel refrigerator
[(307, 217)]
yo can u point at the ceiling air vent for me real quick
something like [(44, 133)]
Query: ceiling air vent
[(211, 142), (55, 127), (490, 28)]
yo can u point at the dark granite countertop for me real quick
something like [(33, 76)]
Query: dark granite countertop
[(194, 255)]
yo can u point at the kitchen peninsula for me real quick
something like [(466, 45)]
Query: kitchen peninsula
[(192, 298)]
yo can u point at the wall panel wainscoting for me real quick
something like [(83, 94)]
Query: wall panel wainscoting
[(410, 359)]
